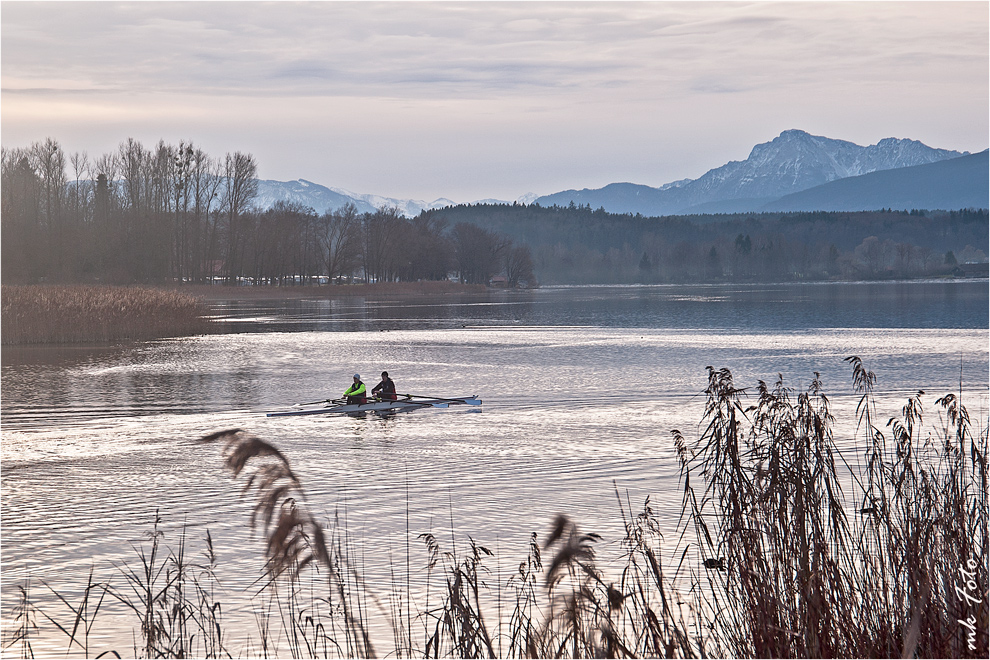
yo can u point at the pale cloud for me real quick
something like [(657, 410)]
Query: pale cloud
[(470, 100)]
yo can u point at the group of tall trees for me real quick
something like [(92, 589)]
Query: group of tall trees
[(134, 215), (173, 213)]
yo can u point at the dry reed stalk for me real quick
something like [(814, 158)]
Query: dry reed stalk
[(25, 624), (83, 615), (179, 616), (654, 616), (459, 627), (522, 624), (208, 607), (157, 596)]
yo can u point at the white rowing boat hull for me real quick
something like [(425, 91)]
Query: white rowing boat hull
[(379, 407)]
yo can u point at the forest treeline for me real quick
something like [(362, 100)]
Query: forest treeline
[(174, 213), (578, 245)]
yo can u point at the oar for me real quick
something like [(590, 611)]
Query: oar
[(313, 403), (438, 398)]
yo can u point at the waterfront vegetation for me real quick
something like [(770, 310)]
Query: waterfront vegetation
[(65, 314), (786, 547)]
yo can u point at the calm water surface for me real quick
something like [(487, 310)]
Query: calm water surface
[(581, 388)]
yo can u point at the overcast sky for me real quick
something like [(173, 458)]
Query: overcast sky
[(491, 100)]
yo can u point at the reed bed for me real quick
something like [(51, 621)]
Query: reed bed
[(64, 314), (801, 565), (786, 548)]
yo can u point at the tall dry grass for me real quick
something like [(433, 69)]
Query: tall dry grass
[(801, 564), (63, 314), (787, 547)]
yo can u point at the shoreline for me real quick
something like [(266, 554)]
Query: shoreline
[(73, 314), (218, 292)]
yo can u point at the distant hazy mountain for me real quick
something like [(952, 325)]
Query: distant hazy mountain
[(305, 193), (792, 162), (321, 199), (771, 178), (950, 184)]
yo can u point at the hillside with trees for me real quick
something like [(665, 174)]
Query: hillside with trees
[(173, 214), (577, 245)]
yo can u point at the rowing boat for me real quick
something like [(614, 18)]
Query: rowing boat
[(409, 403)]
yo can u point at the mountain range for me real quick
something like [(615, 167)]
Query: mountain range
[(795, 171), (322, 199), (790, 163)]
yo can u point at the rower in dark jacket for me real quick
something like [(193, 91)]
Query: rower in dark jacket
[(385, 390), (357, 393)]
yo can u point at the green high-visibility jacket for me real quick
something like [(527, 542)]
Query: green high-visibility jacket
[(356, 390)]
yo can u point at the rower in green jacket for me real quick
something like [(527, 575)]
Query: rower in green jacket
[(357, 393)]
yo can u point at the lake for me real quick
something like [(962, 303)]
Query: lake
[(581, 388)]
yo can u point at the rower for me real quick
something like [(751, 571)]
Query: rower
[(357, 393), (385, 390)]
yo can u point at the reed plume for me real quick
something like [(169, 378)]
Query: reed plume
[(294, 538), (25, 624)]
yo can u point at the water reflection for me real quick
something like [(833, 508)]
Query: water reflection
[(938, 304)]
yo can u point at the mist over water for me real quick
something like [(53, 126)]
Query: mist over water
[(581, 388)]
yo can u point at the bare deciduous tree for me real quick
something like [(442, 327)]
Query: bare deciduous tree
[(240, 186), (339, 241)]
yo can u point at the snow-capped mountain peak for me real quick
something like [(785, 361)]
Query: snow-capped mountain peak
[(328, 198), (796, 160), (323, 198)]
